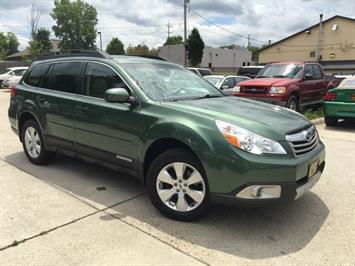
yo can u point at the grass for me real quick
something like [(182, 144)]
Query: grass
[(313, 114)]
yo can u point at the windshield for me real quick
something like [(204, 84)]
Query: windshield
[(215, 81), (165, 82), (3, 71), (280, 71)]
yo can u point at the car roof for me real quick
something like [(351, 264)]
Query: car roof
[(252, 67), (225, 76), (199, 68)]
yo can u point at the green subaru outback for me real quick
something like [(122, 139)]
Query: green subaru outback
[(158, 122)]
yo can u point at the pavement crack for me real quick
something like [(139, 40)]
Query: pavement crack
[(18, 242), (156, 238)]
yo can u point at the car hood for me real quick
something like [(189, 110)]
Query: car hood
[(268, 82), (265, 119)]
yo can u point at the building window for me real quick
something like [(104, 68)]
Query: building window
[(243, 63), (312, 54)]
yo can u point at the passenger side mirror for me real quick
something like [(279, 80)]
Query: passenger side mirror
[(308, 76), (225, 87), (117, 95)]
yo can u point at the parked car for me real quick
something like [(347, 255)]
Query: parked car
[(11, 71), (225, 83), (289, 84), (200, 71), (160, 123), (339, 103), (249, 71), (13, 79)]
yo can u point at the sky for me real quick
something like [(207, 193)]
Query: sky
[(220, 22)]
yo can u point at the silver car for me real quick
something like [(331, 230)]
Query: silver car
[(225, 83)]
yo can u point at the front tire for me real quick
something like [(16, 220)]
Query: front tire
[(293, 103), (33, 145), (177, 185), (331, 121)]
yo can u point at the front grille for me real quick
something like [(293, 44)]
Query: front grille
[(253, 89), (303, 142)]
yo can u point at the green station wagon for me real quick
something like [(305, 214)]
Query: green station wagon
[(158, 122)]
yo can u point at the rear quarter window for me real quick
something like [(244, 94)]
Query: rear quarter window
[(35, 75)]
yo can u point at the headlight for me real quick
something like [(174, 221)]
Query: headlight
[(248, 141), (277, 90), (236, 89)]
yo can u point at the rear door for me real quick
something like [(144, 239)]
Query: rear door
[(107, 131), (57, 100)]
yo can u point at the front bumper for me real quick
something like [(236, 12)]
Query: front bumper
[(289, 191), (279, 100)]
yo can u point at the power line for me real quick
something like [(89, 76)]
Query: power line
[(226, 30)]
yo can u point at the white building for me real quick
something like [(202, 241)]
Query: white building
[(217, 59)]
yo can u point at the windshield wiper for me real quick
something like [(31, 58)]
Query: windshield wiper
[(280, 76), (207, 96)]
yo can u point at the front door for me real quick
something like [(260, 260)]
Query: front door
[(307, 85), (107, 131)]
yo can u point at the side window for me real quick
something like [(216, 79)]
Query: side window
[(64, 77), (99, 78), (308, 70), (230, 82), (317, 72), (34, 76)]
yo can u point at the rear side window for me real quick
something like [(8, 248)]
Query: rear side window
[(204, 72), (317, 72), (35, 75), (64, 77)]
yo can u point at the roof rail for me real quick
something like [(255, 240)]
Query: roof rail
[(69, 53), (149, 56)]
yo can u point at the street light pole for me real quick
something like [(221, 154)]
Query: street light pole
[(99, 32), (185, 29)]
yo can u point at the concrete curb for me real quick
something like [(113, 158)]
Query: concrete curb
[(318, 121)]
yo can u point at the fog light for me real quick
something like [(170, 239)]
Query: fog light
[(260, 192)]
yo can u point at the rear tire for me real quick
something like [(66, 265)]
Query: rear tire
[(293, 103), (331, 121), (177, 185), (33, 145)]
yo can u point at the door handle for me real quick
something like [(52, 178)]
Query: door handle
[(82, 108)]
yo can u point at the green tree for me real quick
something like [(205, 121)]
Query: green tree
[(3, 46), (40, 43), (141, 49), (115, 46), (174, 40), (75, 24), (195, 46), (12, 43), (8, 44)]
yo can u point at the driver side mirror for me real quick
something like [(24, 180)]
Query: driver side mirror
[(308, 76), (117, 95)]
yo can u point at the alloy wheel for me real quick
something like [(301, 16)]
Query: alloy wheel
[(32, 142), (180, 186)]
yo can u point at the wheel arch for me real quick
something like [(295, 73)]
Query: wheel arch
[(25, 116)]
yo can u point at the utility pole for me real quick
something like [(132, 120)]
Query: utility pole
[(99, 32), (169, 26), (186, 2), (249, 41), (320, 39)]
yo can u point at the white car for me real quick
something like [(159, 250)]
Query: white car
[(200, 71), (225, 83), (13, 79), (11, 71)]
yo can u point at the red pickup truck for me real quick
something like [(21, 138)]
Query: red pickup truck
[(289, 84)]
